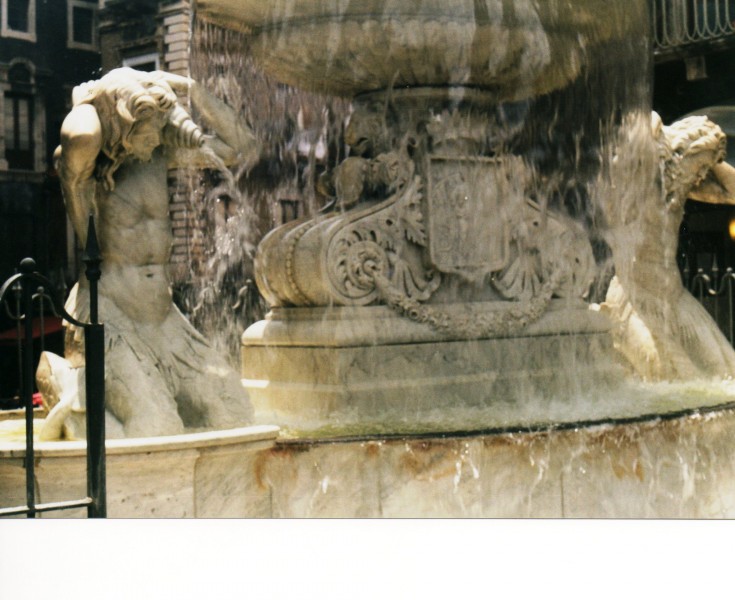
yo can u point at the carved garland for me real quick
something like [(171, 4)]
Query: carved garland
[(489, 324)]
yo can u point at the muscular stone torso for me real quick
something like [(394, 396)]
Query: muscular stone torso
[(135, 239)]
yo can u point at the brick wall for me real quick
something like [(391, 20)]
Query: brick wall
[(176, 31), (189, 224)]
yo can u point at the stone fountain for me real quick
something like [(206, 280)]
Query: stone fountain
[(445, 337), (440, 325), (438, 280), (444, 275)]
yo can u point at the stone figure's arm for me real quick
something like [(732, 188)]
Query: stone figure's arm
[(239, 141), (718, 187), (75, 160), (234, 140)]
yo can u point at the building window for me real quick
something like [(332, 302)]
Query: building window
[(18, 118), (290, 209), (19, 19), (81, 25), (143, 62)]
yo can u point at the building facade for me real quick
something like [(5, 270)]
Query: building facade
[(145, 34), (46, 48)]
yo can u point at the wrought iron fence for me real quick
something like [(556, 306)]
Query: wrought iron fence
[(715, 289), (678, 23), (29, 288)]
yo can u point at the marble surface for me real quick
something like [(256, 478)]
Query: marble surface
[(303, 366), (190, 475), (531, 48), (119, 140), (679, 467)]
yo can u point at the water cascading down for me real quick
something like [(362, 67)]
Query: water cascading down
[(500, 159)]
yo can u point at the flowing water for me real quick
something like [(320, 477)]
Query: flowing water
[(576, 141), (626, 403), (587, 148), (300, 135), (589, 152)]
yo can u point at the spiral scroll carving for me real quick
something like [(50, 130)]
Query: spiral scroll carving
[(384, 239), (356, 266)]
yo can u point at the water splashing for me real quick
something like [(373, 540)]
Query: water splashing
[(238, 204)]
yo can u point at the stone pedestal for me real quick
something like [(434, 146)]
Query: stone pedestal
[(306, 367), (452, 265)]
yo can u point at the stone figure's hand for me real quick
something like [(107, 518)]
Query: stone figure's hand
[(179, 84), (229, 126)]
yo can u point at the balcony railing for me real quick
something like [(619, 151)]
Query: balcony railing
[(679, 23)]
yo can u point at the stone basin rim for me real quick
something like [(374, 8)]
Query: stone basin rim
[(530, 429), (462, 45), (202, 439), (254, 16)]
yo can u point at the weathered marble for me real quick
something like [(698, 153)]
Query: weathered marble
[(679, 467), (337, 366), (439, 215), (660, 327), (345, 48), (208, 474), (122, 135)]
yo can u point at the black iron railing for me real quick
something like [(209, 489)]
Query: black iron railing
[(679, 23), (29, 286), (715, 290)]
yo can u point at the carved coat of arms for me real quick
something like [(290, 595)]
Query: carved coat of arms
[(471, 204)]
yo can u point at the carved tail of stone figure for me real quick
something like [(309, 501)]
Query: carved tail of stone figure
[(659, 326)]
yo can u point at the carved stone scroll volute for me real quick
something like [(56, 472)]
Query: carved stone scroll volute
[(385, 239)]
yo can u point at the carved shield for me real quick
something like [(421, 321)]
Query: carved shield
[(471, 203)]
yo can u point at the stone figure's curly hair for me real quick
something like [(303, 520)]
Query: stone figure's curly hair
[(124, 97), (679, 142)]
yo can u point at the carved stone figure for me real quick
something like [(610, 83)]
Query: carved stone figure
[(117, 143), (377, 167), (659, 326)]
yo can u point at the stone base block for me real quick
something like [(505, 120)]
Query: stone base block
[(303, 367)]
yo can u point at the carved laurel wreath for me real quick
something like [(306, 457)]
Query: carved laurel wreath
[(489, 324)]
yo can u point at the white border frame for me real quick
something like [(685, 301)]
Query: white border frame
[(28, 36)]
